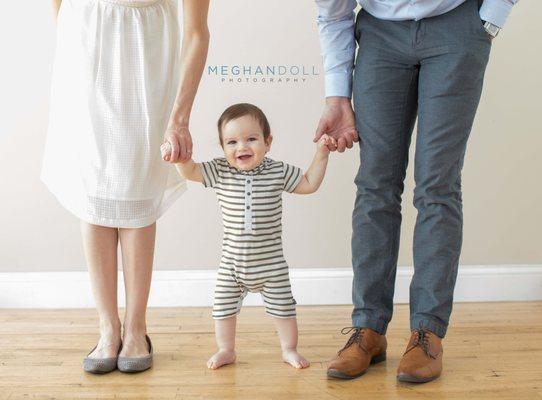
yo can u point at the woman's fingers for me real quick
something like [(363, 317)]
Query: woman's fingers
[(174, 141), (183, 151), (186, 147), (189, 147)]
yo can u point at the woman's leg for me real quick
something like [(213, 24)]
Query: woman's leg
[(100, 244), (137, 247)]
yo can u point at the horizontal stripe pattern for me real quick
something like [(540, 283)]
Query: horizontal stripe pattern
[(252, 257), (274, 286)]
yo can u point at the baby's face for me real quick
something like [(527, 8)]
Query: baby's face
[(243, 143)]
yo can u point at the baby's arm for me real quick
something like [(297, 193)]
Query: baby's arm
[(189, 170), (313, 177)]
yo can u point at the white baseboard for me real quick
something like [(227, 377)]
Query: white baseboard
[(311, 286)]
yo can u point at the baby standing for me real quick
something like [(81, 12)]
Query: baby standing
[(249, 188)]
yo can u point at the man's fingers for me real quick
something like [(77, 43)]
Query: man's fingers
[(320, 130), (354, 135), (341, 144), (349, 143)]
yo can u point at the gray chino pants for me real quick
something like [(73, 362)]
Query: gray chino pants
[(432, 69)]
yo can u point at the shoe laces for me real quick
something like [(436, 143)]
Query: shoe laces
[(422, 340), (356, 337)]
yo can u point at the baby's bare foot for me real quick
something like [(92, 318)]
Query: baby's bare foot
[(295, 359), (220, 358)]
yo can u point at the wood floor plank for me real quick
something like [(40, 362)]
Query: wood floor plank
[(492, 351)]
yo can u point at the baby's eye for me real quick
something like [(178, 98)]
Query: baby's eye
[(252, 139), (232, 142)]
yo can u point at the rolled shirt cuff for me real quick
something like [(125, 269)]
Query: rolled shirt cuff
[(338, 84), (496, 11)]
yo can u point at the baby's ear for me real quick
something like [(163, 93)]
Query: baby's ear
[(268, 141)]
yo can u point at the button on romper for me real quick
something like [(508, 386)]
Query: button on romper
[(252, 257)]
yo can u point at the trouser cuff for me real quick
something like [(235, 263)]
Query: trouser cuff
[(376, 325), (438, 328)]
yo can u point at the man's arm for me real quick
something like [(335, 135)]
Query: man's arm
[(496, 11), (336, 20), (338, 44)]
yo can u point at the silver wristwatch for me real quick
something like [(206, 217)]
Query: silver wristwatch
[(492, 29)]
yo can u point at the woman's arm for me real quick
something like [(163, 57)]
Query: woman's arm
[(56, 7), (193, 56)]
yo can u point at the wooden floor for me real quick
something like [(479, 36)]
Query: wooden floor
[(493, 350)]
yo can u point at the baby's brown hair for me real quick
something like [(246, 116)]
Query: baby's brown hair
[(240, 110)]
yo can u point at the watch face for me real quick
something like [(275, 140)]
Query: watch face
[(493, 30)]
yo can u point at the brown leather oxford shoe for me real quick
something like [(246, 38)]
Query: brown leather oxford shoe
[(364, 347), (422, 361)]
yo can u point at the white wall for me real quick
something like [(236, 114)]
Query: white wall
[(502, 190)]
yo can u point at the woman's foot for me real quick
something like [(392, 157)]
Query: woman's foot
[(220, 358), (108, 346), (295, 359), (134, 346)]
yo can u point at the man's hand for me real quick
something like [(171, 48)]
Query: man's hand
[(324, 143), (338, 122), (177, 146)]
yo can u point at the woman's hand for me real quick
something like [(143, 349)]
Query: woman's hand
[(177, 146)]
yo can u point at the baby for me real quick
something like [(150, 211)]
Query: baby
[(249, 189)]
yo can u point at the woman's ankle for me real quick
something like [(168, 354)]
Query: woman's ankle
[(134, 331), (110, 329)]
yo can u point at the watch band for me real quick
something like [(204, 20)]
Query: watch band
[(492, 29)]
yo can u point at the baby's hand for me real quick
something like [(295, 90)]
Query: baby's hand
[(323, 144), (165, 150)]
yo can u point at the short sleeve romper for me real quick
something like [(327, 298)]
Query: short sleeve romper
[(252, 257)]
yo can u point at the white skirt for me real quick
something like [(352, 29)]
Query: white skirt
[(115, 79)]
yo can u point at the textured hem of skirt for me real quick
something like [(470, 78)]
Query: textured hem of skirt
[(169, 199), (132, 3)]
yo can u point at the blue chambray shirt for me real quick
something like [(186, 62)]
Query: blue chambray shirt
[(336, 20)]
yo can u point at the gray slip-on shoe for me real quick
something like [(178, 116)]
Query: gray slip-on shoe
[(136, 364), (100, 365)]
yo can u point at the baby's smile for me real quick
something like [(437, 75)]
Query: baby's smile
[(244, 157)]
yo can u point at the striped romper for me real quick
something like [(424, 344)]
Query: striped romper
[(252, 258)]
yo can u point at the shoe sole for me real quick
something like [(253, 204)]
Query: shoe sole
[(335, 373), (91, 365), (99, 372), (415, 379)]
